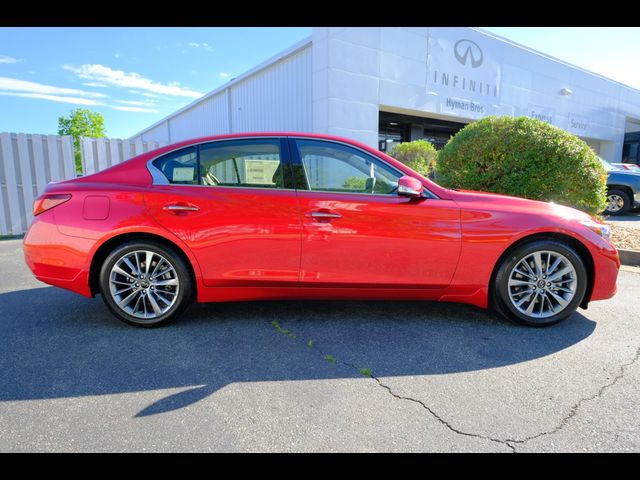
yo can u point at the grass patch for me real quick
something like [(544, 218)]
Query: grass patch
[(283, 331), (366, 372), (330, 359), (311, 344)]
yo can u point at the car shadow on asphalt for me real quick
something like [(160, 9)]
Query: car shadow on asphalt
[(55, 344)]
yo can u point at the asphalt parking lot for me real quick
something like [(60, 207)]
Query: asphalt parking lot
[(294, 376)]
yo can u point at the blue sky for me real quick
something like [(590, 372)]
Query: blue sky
[(133, 76), (136, 76)]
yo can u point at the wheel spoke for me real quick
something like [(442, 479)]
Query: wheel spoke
[(161, 274), (147, 262), (524, 274), (559, 299), (120, 271), (134, 271), (528, 267), (160, 262), (560, 273), (123, 290), (159, 295), (551, 269), (156, 308), (135, 307), (537, 260), (163, 283), (532, 304), (563, 289), (135, 255), (513, 282), (126, 300), (520, 302)]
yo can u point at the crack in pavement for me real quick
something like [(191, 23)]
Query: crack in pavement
[(509, 441), (576, 406)]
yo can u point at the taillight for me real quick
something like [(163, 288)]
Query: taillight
[(46, 202)]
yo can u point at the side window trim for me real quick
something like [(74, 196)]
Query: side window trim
[(159, 178), (296, 163), (283, 152), (303, 176)]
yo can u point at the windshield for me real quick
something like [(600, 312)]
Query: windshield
[(607, 166)]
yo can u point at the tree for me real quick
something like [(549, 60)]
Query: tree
[(420, 155), (81, 122)]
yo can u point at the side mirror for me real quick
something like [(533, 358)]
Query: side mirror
[(409, 187)]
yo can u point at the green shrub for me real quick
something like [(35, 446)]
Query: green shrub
[(418, 155), (354, 183), (524, 157)]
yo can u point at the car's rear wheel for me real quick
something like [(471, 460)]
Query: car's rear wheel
[(618, 202), (540, 283), (145, 283)]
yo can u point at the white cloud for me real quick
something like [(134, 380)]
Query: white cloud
[(15, 85), (137, 103), (223, 74), (147, 94), (134, 109), (96, 84), (204, 45), (120, 78), (54, 98), (8, 59), (77, 101)]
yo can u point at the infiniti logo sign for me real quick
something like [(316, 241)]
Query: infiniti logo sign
[(468, 53)]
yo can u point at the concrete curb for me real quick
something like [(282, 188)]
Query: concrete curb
[(629, 257)]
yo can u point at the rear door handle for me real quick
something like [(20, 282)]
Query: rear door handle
[(323, 215), (180, 207)]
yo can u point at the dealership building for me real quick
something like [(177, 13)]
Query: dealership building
[(383, 85)]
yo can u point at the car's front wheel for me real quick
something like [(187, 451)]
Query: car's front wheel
[(145, 283), (540, 283)]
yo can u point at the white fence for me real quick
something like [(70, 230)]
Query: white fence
[(29, 161)]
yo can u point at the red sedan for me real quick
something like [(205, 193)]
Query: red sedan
[(302, 216)]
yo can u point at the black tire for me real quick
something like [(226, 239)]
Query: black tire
[(185, 290), (500, 293), (619, 195)]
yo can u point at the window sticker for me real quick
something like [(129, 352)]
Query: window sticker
[(260, 172), (183, 174)]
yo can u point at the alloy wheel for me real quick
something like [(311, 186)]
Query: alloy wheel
[(144, 284), (542, 284)]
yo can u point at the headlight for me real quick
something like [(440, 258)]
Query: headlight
[(603, 230)]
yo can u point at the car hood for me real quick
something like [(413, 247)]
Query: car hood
[(498, 202)]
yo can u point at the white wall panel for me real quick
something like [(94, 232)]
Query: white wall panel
[(158, 134), (209, 117), (276, 98)]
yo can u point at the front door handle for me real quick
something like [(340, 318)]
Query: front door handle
[(323, 215), (180, 207)]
